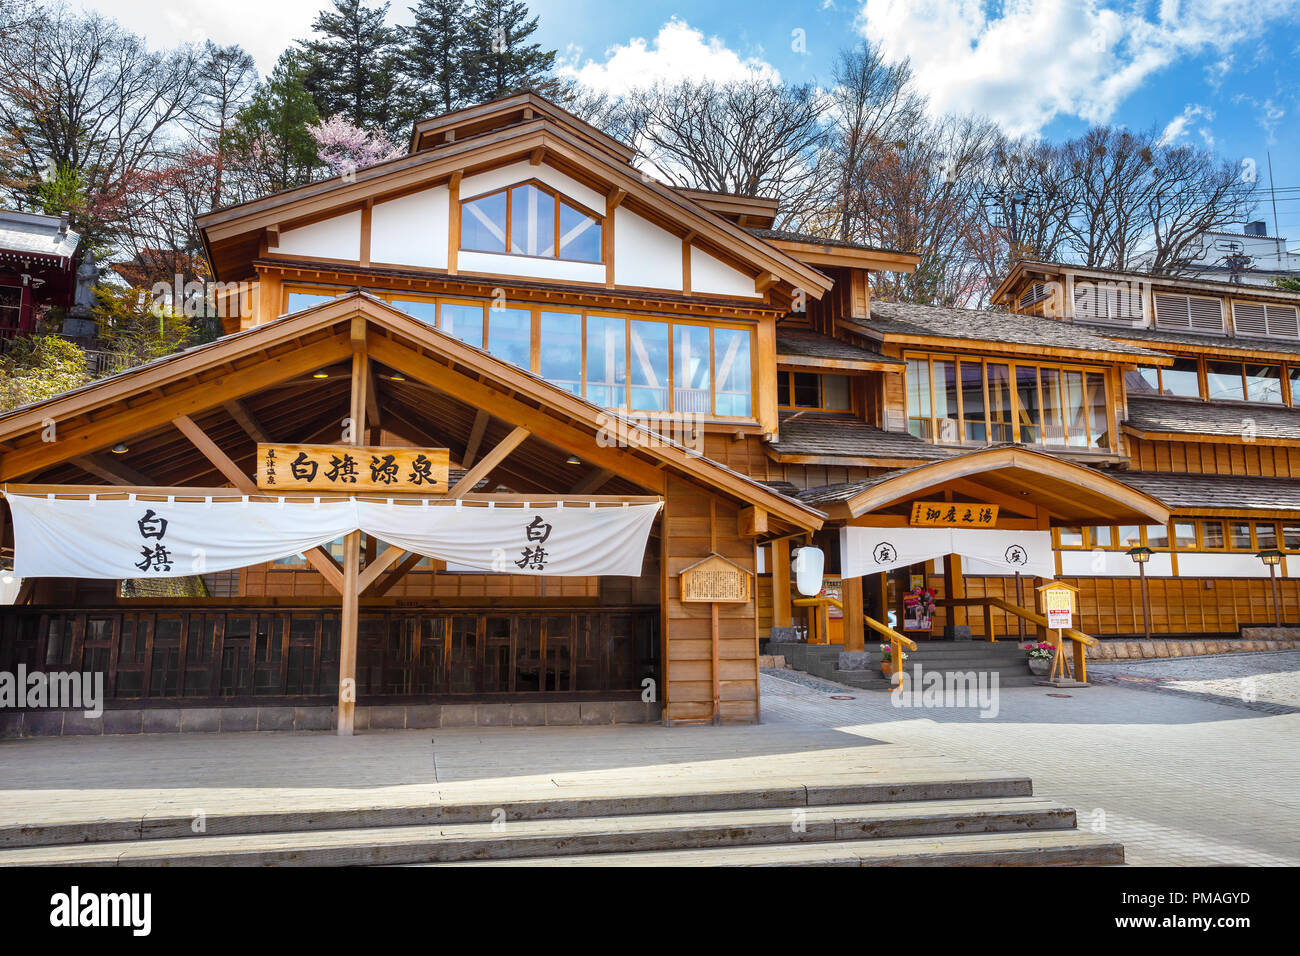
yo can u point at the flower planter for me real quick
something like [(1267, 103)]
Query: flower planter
[(885, 669), (1040, 666)]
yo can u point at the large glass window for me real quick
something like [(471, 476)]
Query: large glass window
[(1098, 420), (1223, 381), (918, 397), (813, 390), (1182, 379), (559, 349), (530, 220), (1053, 403), (510, 334), (483, 223), (462, 320), (426, 310), (1144, 380), (1000, 423), (972, 401), (691, 367), (607, 361), (1027, 389), (1263, 383), (947, 410), (734, 373), (648, 360)]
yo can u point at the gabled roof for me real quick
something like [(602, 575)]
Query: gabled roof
[(232, 235), (95, 416), (37, 236)]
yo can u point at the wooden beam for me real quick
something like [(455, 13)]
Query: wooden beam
[(765, 281), (475, 438), (751, 522), (240, 413), (591, 481), (536, 156), (615, 199), (855, 628), (781, 610), (488, 462), (377, 567), (395, 575), (114, 472)]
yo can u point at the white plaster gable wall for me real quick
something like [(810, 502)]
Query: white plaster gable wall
[(411, 230), (561, 270), (644, 254), (711, 275), (336, 238), (494, 179)]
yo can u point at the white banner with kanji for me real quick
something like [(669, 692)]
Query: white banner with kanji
[(866, 550), (124, 538)]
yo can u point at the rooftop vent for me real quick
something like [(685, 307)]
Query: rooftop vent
[(1256, 228)]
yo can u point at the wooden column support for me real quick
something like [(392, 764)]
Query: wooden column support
[(348, 634), (781, 612), (855, 627)]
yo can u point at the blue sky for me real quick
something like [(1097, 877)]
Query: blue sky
[(1221, 73)]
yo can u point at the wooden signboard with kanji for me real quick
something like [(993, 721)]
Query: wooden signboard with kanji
[(715, 579), (953, 514), (352, 469)]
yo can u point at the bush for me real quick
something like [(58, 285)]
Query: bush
[(40, 367)]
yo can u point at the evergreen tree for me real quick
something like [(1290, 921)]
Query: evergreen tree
[(351, 67), (500, 60), (269, 146), (436, 52)]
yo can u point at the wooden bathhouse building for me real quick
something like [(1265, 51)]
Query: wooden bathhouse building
[(510, 341)]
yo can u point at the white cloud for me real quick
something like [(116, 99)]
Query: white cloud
[(1027, 61), (677, 52), (1178, 127)]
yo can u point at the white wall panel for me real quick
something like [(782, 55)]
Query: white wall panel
[(335, 238), (411, 230), (1221, 566), (644, 254), (1113, 564), (559, 270), (711, 275)]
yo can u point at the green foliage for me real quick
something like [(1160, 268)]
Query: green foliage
[(65, 191), (1290, 283), (269, 142), (353, 67), (499, 60), (137, 329), (40, 367), (434, 53)]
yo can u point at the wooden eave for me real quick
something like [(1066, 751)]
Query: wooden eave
[(818, 363), (1224, 347), (1023, 272), (816, 254), (756, 211), (656, 202), (194, 382), (1070, 493), (1206, 438)]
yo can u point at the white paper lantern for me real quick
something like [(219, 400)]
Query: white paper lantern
[(807, 566)]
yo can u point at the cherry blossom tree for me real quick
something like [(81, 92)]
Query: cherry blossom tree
[(345, 148)]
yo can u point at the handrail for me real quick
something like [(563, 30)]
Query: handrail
[(1032, 616), (896, 641)]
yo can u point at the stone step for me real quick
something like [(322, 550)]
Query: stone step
[(887, 786), (1042, 848), (522, 839)]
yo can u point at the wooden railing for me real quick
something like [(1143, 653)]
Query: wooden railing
[(896, 641), (1079, 639)]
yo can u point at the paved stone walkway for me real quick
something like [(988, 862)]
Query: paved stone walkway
[(1265, 682), (1180, 778)]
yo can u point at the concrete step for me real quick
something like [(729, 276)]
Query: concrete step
[(882, 787), (1043, 848), (520, 839)]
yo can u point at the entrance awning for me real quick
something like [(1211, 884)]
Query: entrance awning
[(1014, 477)]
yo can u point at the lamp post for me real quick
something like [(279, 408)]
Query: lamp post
[(1273, 557), (1140, 557)]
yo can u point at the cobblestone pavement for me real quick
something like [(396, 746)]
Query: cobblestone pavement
[(1183, 778), (1265, 682)]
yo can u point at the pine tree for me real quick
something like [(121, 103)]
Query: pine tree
[(500, 60), (350, 67), (435, 51)]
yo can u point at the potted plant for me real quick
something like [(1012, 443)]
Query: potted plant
[(1039, 657), (886, 659)]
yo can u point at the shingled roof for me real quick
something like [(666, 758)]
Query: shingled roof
[(782, 235), (1218, 492), (1208, 344), (804, 343), (1228, 419), (938, 322), (26, 233), (823, 434)]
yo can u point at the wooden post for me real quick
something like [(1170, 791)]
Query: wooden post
[(348, 633), (954, 588), (781, 612), (717, 683), (855, 637)]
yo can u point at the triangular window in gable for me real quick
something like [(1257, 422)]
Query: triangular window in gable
[(530, 219)]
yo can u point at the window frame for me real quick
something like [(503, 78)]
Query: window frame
[(788, 375), (560, 199)]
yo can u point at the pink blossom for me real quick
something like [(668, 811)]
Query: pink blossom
[(345, 148)]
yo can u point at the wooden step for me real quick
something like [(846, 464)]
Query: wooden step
[(1040, 848), (520, 839)]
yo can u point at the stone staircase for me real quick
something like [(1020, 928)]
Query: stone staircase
[(937, 819), (822, 660)]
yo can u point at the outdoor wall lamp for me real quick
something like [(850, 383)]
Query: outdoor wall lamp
[(120, 448)]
